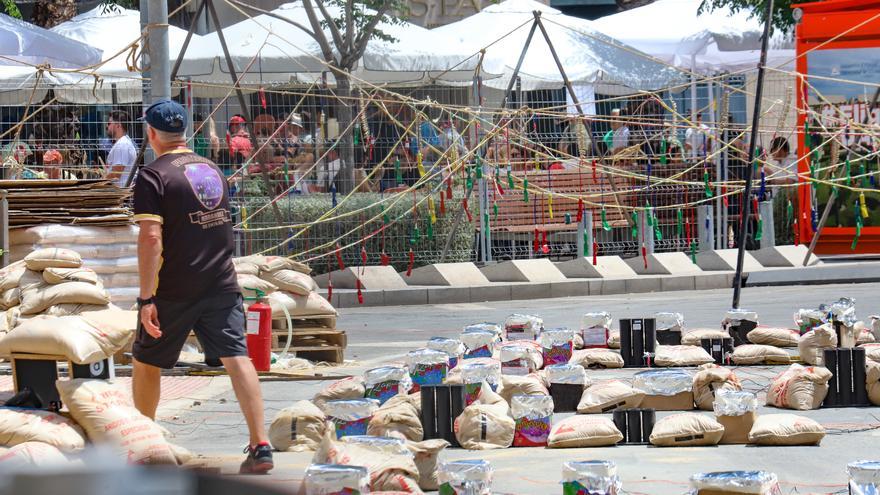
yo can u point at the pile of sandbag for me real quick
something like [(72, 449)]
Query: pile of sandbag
[(111, 252), (286, 284)]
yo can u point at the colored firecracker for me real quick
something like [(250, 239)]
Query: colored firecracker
[(605, 225), (510, 184), (428, 374), (449, 188), (663, 152), (480, 352), (557, 354), (442, 204), (550, 205), (383, 391), (410, 263), (679, 222), (568, 219), (386, 260), (635, 225), (350, 428), (531, 432), (848, 180), (789, 212), (863, 205), (759, 232), (419, 164), (576, 488), (525, 189), (347, 491), (494, 211), (580, 210), (429, 231), (467, 211), (694, 252), (472, 392), (706, 184), (586, 240), (431, 210)]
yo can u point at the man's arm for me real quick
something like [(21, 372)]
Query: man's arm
[(149, 248)]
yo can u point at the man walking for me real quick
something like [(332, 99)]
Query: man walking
[(122, 155), (187, 280)]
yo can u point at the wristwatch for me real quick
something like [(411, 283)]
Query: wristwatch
[(145, 302)]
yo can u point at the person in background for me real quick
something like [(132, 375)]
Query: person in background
[(698, 139), (782, 176), (620, 132), (205, 141), (52, 161), (122, 156), (240, 146)]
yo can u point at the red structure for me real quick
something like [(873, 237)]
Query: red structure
[(838, 47)]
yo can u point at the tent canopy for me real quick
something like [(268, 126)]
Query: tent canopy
[(32, 45), (272, 51), (587, 55)]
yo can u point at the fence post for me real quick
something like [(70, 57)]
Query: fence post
[(4, 228), (647, 233), (705, 228), (768, 237)]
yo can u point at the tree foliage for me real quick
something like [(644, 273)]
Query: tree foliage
[(10, 9), (781, 17)]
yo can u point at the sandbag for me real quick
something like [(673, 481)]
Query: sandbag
[(297, 428), (388, 460), (37, 298), (584, 431), (268, 264), (872, 352), (786, 429), (18, 426), (694, 337), (84, 339), (779, 337), (400, 420), (520, 357), (250, 284), (812, 344), (681, 355), (606, 396), (426, 454), (10, 298), (686, 430), (115, 265), (73, 234), (597, 358), (864, 333), (245, 266), (311, 305), (484, 427), (31, 454), (614, 339), (759, 354), (109, 417), (873, 378), (291, 281), (344, 389), (54, 275), (521, 385), (52, 257), (11, 274), (708, 381), (800, 388)]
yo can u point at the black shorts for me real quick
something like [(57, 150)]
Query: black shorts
[(218, 322)]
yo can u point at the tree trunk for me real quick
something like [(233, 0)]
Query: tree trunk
[(50, 13), (344, 105)]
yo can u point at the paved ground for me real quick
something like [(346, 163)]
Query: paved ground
[(214, 427)]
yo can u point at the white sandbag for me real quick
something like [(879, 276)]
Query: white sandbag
[(54, 275), (512, 385), (873, 378), (121, 280), (269, 264), (84, 339), (759, 354), (872, 352), (681, 355), (397, 419), (606, 396), (297, 428), (597, 358), (52, 257), (686, 430), (109, 418), (390, 463), (484, 427), (426, 455), (694, 337), (812, 344), (614, 339), (311, 305), (779, 337), (112, 265), (10, 275), (10, 298), (250, 284), (73, 234), (291, 281), (786, 429), (584, 431), (344, 389), (520, 357), (37, 299), (709, 381), (31, 454), (18, 426), (801, 388)]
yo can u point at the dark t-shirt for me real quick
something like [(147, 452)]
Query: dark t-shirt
[(188, 195)]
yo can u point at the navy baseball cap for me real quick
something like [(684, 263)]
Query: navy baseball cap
[(166, 115)]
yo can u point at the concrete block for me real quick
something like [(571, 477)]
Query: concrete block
[(663, 264), (570, 288), (448, 274), (605, 267), (535, 270), (712, 281), (345, 300), (500, 292), (725, 260), (372, 278), (673, 282), (406, 297), (830, 273), (784, 256), (642, 284), (607, 286), (448, 295), (529, 291)]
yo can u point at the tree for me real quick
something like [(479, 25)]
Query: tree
[(50, 13), (782, 12)]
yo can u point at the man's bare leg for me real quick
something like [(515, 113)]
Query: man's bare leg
[(146, 387), (246, 385)]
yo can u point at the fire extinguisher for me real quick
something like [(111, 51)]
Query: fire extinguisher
[(259, 331)]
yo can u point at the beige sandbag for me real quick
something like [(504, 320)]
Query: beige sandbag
[(36, 299), (400, 420), (11, 275), (346, 388), (52, 257), (16, 318), (291, 281), (681, 355), (83, 339), (708, 381), (812, 344), (311, 305), (786, 429), (245, 266), (31, 454), (10, 298), (597, 358), (759, 354), (693, 337), (109, 417), (873, 378), (297, 428), (606, 396), (53, 275), (686, 430), (583, 431), (872, 352), (275, 263), (181, 454), (521, 385), (412, 400), (614, 339), (250, 284), (426, 454), (779, 337), (800, 388), (390, 463), (33, 425), (482, 427)]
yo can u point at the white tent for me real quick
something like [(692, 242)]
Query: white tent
[(271, 51), (114, 31), (588, 56)]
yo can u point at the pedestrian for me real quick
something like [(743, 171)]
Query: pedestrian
[(122, 156), (619, 132), (698, 139), (187, 280)]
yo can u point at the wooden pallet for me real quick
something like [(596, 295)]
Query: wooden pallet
[(313, 343), (328, 321)]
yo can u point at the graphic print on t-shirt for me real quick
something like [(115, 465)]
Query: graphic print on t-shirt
[(206, 184)]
